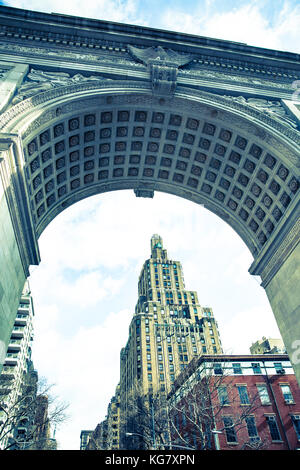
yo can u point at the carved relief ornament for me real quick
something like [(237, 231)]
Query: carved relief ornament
[(163, 66)]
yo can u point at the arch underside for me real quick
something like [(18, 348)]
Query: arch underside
[(83, 145)]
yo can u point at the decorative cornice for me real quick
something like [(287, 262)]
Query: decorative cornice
[(123, 53)]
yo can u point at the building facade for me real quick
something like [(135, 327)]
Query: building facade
[(113, 421), (18, 371), (169, 328), (268, 346), (236, 402), (84, 438)]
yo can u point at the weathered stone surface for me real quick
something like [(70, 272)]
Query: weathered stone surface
[(108, 106)]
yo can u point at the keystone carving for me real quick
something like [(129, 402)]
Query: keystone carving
[(163, 66)]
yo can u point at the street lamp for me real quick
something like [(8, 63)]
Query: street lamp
[(130, 434), (133, 434)]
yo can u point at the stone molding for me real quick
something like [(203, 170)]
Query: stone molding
[(17, 199), (250, 61), (268, 266), (228, 103), (119, 59)]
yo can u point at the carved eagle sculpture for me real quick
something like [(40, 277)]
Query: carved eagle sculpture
[(158, 53)]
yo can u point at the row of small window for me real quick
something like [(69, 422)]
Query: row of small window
[(262, 393), (164, 265), (182, 357), (237, 368), (231, 435), (161, 377)]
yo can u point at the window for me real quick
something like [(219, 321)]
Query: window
[(296, 423), (278, 367), (223, 395), (150, 377), (229, 430), (237, 368), (243, 394), (274, 431), (287, 394), (256, 368), (263, 394), (251, 427), (218, 369)]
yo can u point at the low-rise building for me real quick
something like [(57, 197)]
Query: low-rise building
[(97, 439), (236, 402), (84, 438)]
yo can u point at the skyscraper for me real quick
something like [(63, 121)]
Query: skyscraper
[(169, 328)]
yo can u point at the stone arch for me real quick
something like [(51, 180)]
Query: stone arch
[(202, 147), (79, 140)]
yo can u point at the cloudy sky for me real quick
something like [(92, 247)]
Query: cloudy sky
[(85, 288)]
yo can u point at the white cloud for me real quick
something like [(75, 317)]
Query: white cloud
[(247, 24), (85, 369), (120, 11), (246, 327)]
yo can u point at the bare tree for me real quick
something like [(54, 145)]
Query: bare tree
[(27, 418), (202, 406), (144, 420), (208, 403)]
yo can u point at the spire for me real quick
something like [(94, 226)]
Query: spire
[(157, 250)]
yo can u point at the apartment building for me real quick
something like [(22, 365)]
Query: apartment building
[(237, 402)]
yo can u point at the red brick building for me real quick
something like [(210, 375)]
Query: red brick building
[(236, 402)]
